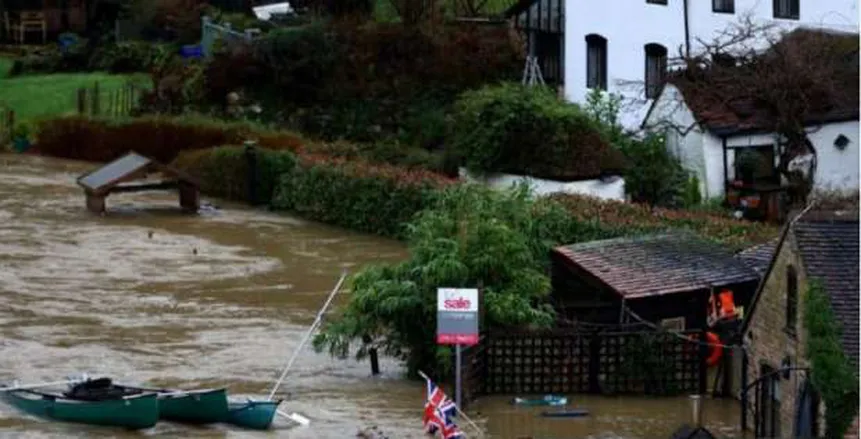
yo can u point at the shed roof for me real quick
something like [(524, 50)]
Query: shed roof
[(129, 164), (658, 264), (759, 256), (829, 251)]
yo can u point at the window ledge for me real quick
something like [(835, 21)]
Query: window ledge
[(794, 18), (724, 12)]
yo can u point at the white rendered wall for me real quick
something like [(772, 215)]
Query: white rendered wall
[(628, 25), (611, 190)]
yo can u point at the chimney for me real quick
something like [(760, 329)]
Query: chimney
[(697, 410)]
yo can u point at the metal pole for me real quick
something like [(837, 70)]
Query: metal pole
[(457, 375), (307, 335)]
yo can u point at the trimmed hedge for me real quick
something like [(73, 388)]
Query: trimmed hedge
[(378, 199), (529, 130), (223, 171), (160, 138), (618, 218)]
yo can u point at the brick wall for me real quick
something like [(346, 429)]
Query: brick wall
[(769, 342)]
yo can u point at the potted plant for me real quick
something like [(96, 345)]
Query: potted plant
[(747, 163)]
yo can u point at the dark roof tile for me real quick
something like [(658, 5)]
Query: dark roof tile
[(829, 251), (658, 264)]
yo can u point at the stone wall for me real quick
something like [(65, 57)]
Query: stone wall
[(769, 342)]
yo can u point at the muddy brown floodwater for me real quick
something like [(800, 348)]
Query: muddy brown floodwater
[(147, 295)]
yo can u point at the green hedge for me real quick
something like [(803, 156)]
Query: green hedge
[(529, 130), (223, 171), (357, 195)]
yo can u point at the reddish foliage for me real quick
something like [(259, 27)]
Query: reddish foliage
[(361, 169), (641, 218), (160, 138)]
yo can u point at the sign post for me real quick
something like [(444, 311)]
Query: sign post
[(457, 324)]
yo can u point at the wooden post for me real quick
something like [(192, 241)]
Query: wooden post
[(82, 101), (372, 353), (96, 100), (251, 157), (595, 363), (96, 203), (703, 356)]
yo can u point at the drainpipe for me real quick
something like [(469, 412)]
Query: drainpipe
[(687, 31)]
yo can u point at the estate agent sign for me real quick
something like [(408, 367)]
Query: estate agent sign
[(457, 316)]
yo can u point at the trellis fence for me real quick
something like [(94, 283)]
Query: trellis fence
[(586, 361)]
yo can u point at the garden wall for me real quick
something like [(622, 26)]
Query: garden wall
[(610, 189)]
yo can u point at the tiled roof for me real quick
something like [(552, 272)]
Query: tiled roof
[(720, 108), (658, 264), (759, 256), (829, 250)]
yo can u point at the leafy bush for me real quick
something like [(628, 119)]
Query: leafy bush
[(157, 137), (392, 153), (615, 218), (471, 236), (298, 59), (366, 81), (357, 195), (224, 171), (654, 175), (130, 56), (529, 130), (833, 376)]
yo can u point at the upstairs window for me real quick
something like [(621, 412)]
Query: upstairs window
[(596, 62), (791, 299), (788, 9), (657, 2), (723, 6), (656, 69)]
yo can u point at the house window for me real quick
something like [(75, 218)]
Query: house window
[(723, 6), (755, 164), (791, 299), (657, 2), (596, 62), (788, 9), (656, 69)]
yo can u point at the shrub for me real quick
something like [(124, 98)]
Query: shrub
[(161, 138), (224, 171), (529, 130), (130, 56), (654, 175), (616, 218), (392, 153), (471, 236), (357, 195)]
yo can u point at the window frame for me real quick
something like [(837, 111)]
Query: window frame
[(723, 10), (790, 14), (790, 324), (650, 51), (657, 2), (599, 43)]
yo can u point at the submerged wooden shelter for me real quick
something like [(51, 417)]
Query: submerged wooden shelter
[(116, 177)]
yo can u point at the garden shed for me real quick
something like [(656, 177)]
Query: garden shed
[(666, 279), (118, 175)]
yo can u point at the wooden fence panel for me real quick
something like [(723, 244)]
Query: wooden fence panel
[(95, 101), (585, 361)]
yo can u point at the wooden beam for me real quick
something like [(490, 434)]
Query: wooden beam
[(164, 185)]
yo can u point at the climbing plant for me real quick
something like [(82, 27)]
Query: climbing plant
[(832, 375)]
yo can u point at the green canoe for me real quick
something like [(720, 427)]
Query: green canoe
[(253, 414), (189, 406), (137, 411)]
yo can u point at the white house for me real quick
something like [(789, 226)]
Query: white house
[(622, 46), (707, 136)]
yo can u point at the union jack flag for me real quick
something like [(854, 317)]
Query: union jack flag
[(439, 411)]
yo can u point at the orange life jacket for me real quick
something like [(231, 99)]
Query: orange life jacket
[(724, 308)]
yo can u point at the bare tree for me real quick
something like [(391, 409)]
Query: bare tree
[(783, 82), (413, 12)]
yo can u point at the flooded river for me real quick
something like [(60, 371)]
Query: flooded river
[(144, 294)]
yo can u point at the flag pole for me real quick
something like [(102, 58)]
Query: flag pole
[(459, 411)]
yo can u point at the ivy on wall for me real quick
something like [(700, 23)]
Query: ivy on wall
[(832, 375)]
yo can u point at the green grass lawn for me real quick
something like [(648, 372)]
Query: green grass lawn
[(32, 97)]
